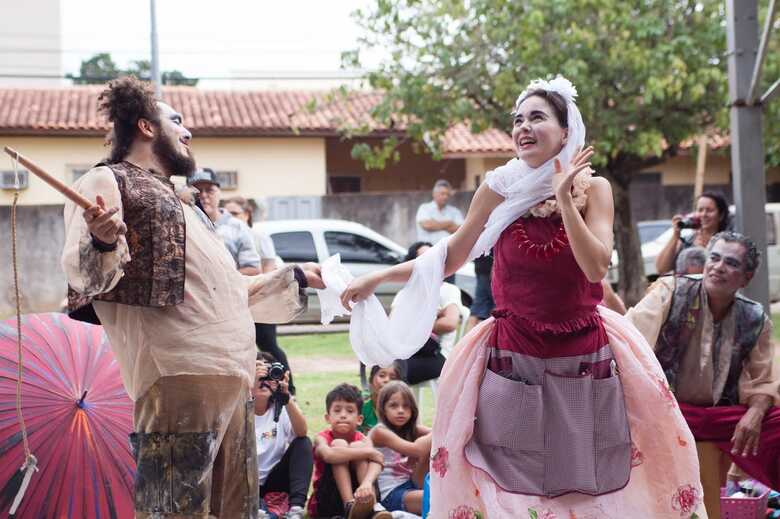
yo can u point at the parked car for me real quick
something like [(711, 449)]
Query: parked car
[(362, 250), (651, 249), (649, 231)]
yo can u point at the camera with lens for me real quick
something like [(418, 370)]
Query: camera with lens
[(276, 371), (689, 222)]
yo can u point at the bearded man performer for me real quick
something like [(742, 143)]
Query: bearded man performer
[(178, 314)]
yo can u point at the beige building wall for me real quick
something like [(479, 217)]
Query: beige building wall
[(416, 170), (58, 156), (681, 170), (265, 166), (477, 168)]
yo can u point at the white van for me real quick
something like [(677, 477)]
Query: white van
[(362, 250)]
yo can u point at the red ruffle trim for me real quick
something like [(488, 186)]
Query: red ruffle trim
[(561, 327)]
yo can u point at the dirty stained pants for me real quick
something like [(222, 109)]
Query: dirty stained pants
[(194, 445)]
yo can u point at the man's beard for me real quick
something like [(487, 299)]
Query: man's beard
[(172, 160)]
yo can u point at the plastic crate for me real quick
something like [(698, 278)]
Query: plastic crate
[(743, 507)]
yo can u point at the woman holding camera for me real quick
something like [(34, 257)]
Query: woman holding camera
[(285, 458), (710, 217)]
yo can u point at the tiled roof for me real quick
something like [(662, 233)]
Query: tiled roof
[(459, 140), (73, 111)]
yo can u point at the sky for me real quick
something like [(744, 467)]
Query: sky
[(215, 38)]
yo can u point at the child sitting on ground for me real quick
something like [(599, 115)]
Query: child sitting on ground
[(376, 381), (284, 452), (405, 446), (345, 463)]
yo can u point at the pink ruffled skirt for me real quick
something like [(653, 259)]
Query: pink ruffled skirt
[(664, 480)]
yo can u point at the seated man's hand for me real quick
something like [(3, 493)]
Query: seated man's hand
[(747, 432), (313, 275)]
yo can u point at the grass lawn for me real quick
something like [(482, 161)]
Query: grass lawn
[(317, 353), (317, 345)]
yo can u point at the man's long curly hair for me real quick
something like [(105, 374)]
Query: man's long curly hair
[(124, 102)]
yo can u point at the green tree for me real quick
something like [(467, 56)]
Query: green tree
[(650, 73), (143, 69), (101, 68), (772, 110), (174, 77), (97, 69), (140, 68)]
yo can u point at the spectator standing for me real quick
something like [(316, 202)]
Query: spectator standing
[(429, 360), (240, 207), (437, 219), (483, 297), (235, 233), (265, 333)]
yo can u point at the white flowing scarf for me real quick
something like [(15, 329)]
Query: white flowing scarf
[(378, 339)]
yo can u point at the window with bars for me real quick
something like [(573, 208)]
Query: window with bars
[(76, 172), (8, 181), (227, 179)]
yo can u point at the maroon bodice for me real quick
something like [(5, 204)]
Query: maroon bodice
[(543, 298)]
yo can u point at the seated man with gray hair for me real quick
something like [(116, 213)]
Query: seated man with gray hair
[(690, 261), (715, 348)]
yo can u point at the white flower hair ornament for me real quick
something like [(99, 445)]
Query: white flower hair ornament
[(560, 85)]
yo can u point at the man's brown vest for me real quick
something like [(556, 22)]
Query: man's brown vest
[(155, 239), (680, 325)]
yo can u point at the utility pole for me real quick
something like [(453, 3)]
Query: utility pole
[(156, 78), (747, 150)]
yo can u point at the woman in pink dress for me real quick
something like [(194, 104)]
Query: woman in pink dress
[(555, 407)]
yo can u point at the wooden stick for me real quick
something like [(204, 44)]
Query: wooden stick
[(53, 182), (701, 165)]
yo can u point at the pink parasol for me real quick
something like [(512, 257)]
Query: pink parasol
[(78, 418)]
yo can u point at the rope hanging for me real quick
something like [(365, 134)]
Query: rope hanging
[(30, 462)]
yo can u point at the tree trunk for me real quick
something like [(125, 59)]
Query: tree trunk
[(631, 268)]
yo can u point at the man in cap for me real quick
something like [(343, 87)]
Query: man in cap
[(235, 233)]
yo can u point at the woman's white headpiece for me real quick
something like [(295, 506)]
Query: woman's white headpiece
[(560, 85)]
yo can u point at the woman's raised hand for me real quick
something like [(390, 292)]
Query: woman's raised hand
[(563, 180), (359, 289)]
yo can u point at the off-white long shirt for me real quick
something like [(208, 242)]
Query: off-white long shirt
[(211, 332), (697, 383)]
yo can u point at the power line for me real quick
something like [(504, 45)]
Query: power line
[(274, 50), (268, 76)]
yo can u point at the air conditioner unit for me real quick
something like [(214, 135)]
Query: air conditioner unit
[(7, 179)]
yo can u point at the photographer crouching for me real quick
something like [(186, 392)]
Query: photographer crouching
[(284, 452)]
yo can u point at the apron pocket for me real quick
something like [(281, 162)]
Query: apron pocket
[(569, 435), (508, 441), (509, 414), (613, 438)]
